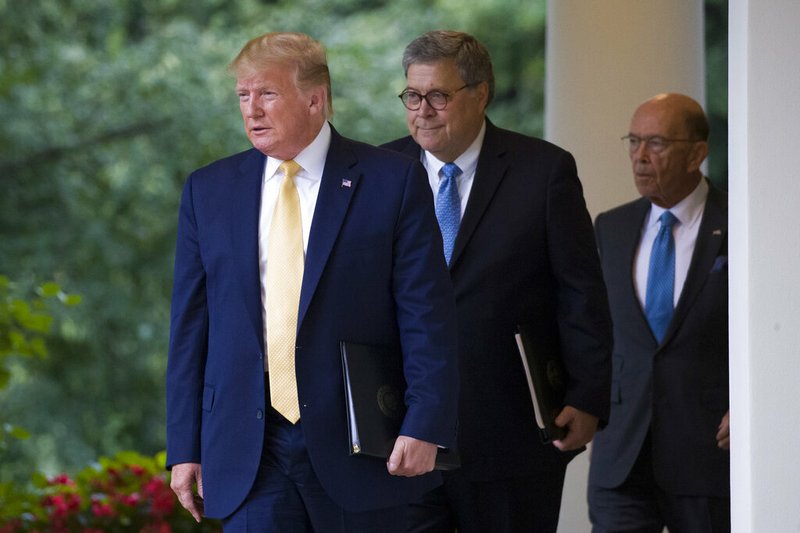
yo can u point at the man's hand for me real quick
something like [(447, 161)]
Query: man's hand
[(184, 475), (724, 432), (411, 457), (580, 426)]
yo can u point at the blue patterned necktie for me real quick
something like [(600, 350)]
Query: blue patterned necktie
[(448, 207), (661, 278)]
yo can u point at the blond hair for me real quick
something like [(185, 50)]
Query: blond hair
[(296, 49)]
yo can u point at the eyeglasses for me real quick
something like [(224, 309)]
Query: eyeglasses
[(656, 143), (436, 99)]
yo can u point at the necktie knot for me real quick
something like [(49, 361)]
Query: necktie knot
[(289, 168), (667, 220), (450, 170), (448, 207)]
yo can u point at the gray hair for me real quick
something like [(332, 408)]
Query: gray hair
[(471, 57)]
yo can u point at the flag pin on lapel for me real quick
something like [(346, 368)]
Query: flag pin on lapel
[(716, 232), (346, 183)]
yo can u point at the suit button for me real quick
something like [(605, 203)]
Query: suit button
[(259, 414)]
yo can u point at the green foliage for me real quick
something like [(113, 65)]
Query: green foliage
[(128, 492), (24, 322), (105, 107), (716, 14)]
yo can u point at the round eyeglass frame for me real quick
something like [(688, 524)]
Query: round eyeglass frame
[(446, 97)]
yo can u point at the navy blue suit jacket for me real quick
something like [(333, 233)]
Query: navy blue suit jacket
[(677, 390), (525, 254), (374, 273)]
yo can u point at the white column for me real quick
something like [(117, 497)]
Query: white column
[(764, 250), (604, 59)]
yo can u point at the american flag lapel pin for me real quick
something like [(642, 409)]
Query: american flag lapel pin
[(346, 183)]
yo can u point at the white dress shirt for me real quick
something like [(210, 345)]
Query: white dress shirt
[(467, 162), (307, 180), (689, 213)]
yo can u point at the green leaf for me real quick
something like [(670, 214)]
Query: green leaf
[(71, 299), (18, 432), (49, 289)]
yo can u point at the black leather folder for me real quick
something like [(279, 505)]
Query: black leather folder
[(547, 380), (374, 390)]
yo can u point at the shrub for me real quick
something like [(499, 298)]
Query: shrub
[(129, 492)]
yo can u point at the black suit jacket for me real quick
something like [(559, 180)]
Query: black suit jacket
[(679, 389), (525, 253)]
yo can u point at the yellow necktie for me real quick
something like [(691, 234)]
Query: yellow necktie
[(285, 260)]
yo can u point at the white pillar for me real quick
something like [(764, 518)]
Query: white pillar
[(764, 249), (603, 59)]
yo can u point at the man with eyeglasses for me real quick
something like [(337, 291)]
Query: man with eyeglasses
[(663, 459), (521, 251)]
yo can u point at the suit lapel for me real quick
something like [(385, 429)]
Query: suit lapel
[(339, 182), (489, 173), (244, 216), (630, 237), (711, 237)]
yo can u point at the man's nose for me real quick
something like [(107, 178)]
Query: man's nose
[(253, 108), (640, 152), (425, 109)]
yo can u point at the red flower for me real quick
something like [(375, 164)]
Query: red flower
[(155, 485), (158, 527), (101, 509), (58, 503), (160, 495), (73, 502), (138, 470), (131, 500), (62, 479)]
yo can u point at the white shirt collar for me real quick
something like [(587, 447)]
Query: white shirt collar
[(467, 161), (687, 210), (311, 158)]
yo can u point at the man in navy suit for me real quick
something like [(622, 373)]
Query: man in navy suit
[(373, 273), (523, 253), (663, 459)]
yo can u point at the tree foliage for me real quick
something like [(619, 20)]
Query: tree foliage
[(716, 24), (25, 320), (105, 107)]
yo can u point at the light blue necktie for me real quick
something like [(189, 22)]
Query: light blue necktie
[(661, 278), (448, 207)]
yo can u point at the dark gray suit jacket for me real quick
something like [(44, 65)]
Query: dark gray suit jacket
[(677, 390)]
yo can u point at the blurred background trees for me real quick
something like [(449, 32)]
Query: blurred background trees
[(107, 105)]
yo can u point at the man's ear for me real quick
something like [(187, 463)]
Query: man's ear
[(317, 100), (698, 154), (482, 89)]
